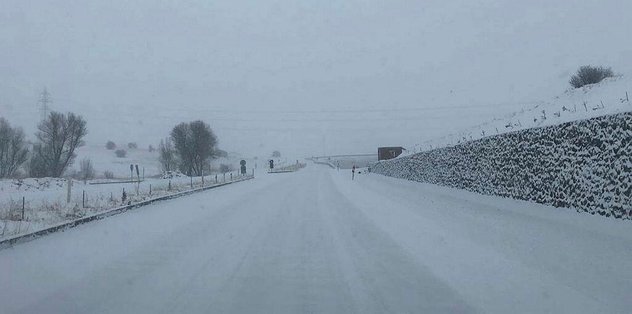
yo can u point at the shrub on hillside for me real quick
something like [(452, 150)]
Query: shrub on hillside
[(132, 145), (588, 74), (110, 145), (120, 153), (108, 174), (223, 168), (168, 159), (86, 170)]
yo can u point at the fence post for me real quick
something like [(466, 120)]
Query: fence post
[(150, 189), (191, 181), (626, 97), (231, 176), (69, 192), (224, 177), (215, 178), (23, 201), (83, 199)]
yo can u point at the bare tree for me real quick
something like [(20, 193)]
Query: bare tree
[(13, 151), (58, 135), (195, 144), (167, 158)]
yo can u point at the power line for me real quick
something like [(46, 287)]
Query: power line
[(201, 109), (379, 110)]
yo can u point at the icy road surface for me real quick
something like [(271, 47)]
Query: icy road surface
[(316, 242)]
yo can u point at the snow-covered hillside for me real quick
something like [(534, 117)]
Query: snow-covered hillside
[(608, 97), (106, 160)]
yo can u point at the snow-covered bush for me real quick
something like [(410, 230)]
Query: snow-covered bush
[(224, 168), (120, 153), (173, 174), (110, 145), (132, 145), (588, 74)]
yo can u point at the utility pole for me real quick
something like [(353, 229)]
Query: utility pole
[(44, 101)]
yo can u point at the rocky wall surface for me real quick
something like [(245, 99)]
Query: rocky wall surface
[(586, 165)]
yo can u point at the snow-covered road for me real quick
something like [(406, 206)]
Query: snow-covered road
[(316, 242)]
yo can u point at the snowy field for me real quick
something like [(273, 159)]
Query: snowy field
[(106, 160), (314, 241), (45, 199)]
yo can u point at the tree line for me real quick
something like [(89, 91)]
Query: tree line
[(189, 148), (57, 138)]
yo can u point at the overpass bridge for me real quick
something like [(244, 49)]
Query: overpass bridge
[(346, 161)]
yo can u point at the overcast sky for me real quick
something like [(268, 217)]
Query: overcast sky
[(304, 77)]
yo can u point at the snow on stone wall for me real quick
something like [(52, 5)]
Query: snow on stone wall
[(586, 165)]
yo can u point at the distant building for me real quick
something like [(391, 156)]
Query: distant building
[(384, 153)]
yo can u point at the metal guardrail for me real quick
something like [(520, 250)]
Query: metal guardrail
[(338, 156), (11, 241), (290, 168), (116, 182), (324, 163)]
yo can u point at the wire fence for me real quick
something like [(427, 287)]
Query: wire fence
[(35, 210)]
